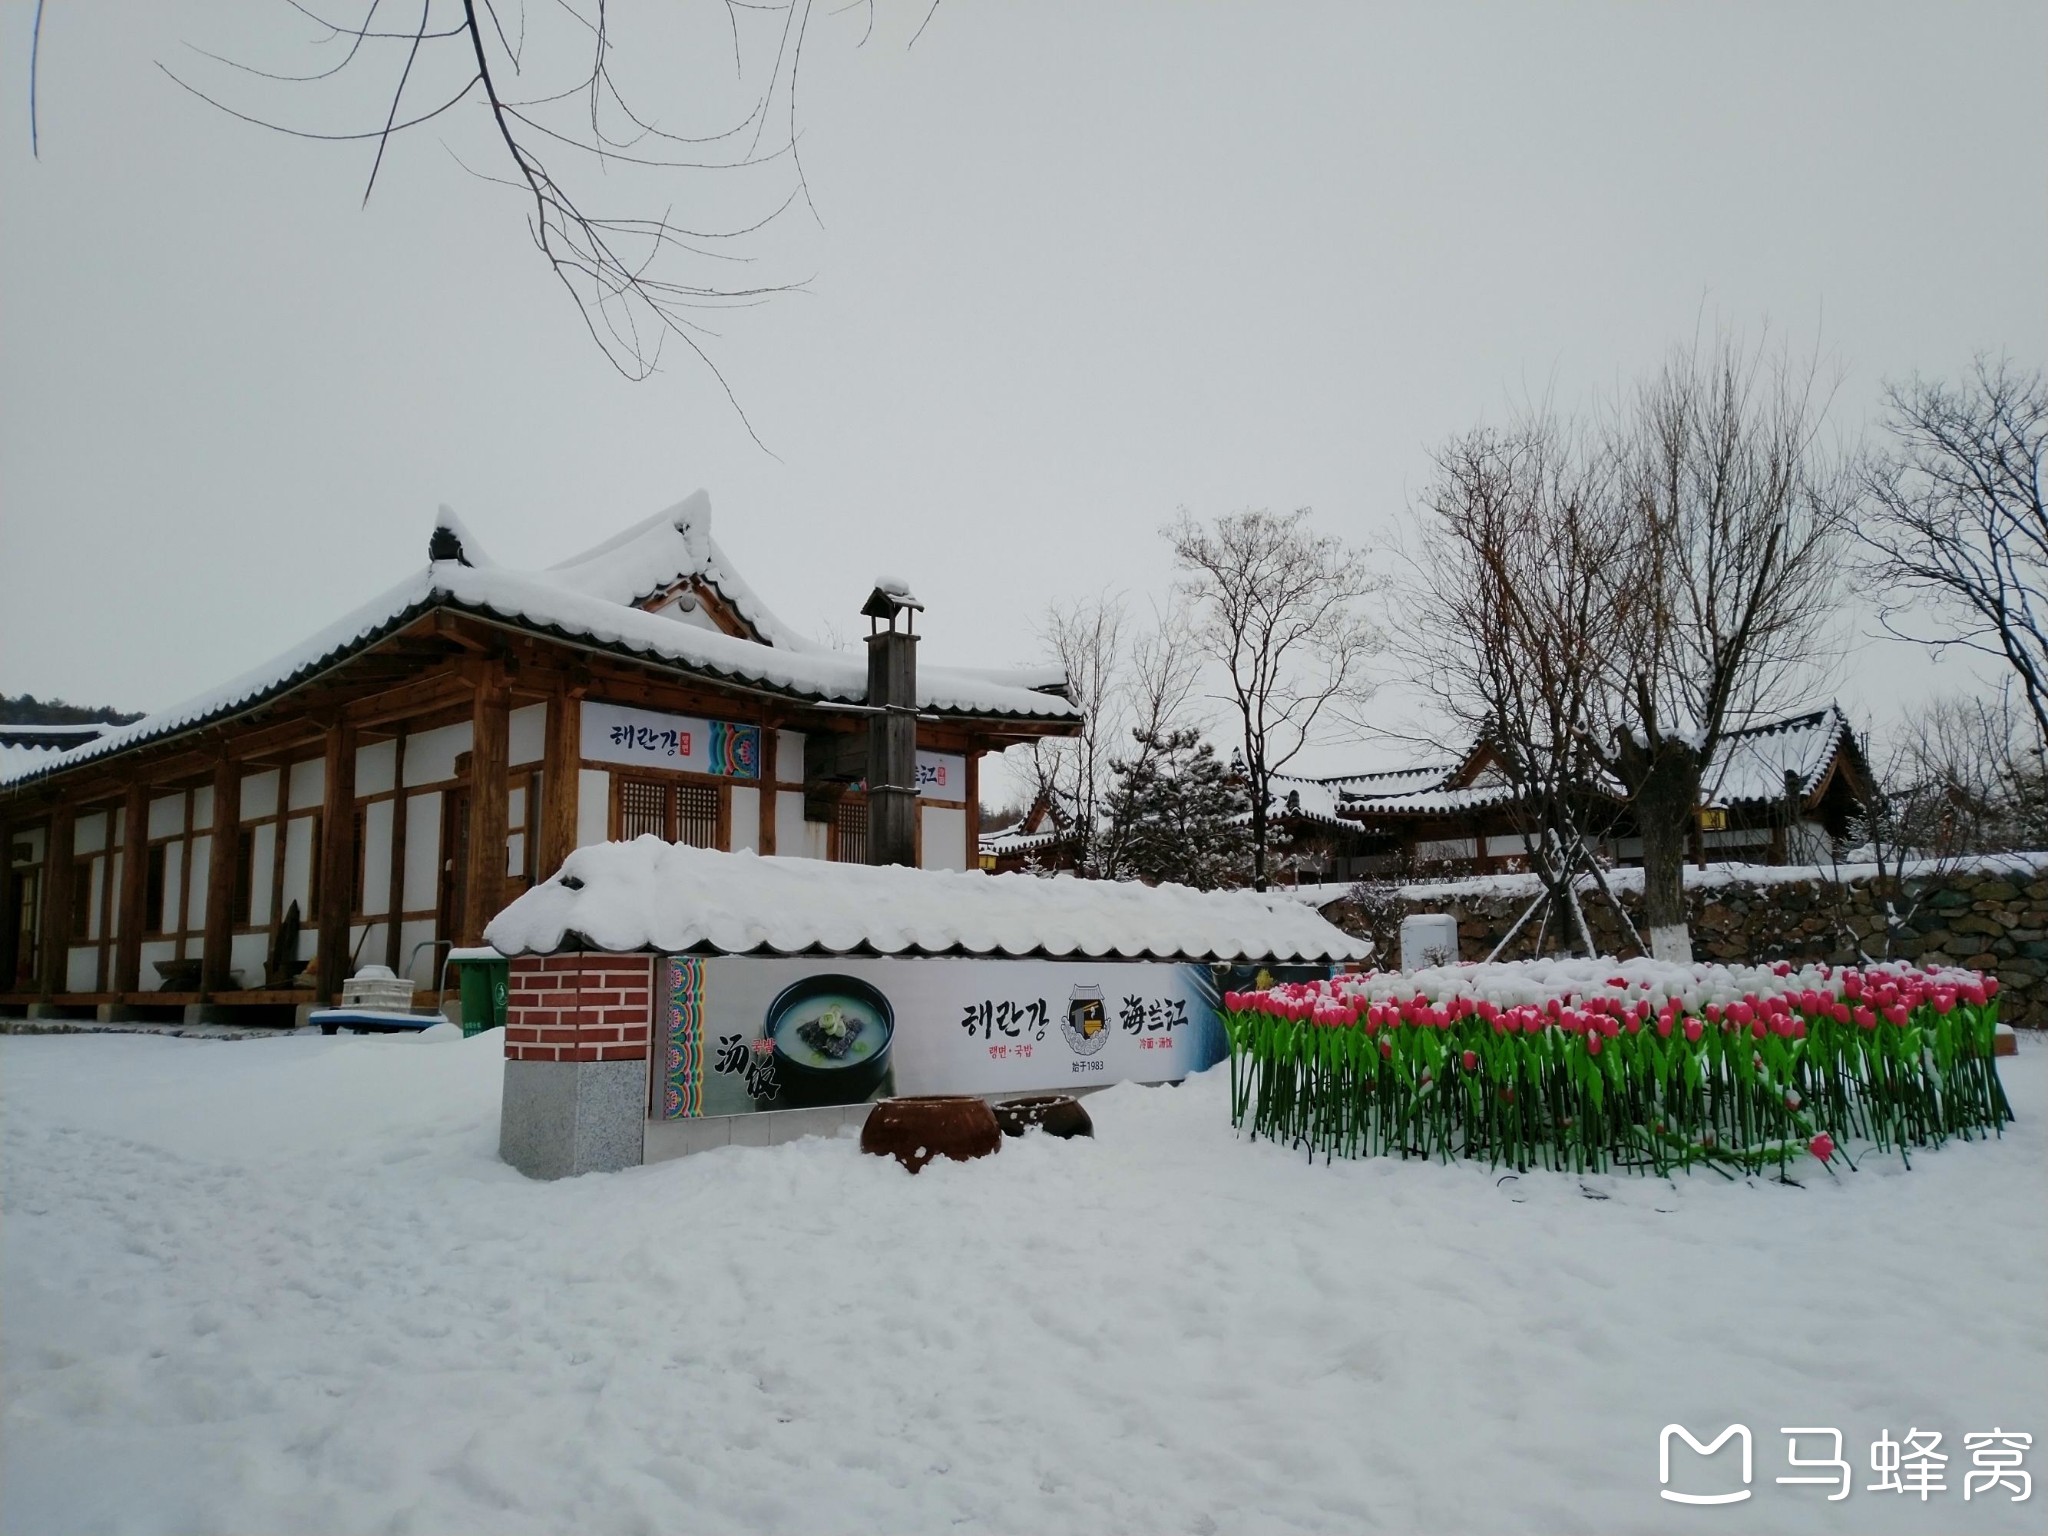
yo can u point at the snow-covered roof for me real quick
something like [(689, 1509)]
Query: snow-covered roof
[(1749, 764), (1430, 801), (1752, 764), (52, 737), (589, 599), (671, 898), (1016, 840), (1392, 781), (1308, 799)]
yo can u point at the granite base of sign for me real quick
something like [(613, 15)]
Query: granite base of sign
[(679, 1138), (562, 1118)]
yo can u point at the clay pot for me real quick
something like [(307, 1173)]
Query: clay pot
[(1054, 1113), (917, 1129)]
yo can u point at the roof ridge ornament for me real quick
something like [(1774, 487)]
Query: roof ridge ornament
[(445, 542)]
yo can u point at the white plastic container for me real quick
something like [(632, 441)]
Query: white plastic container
[(1428, 938), (375, 987)]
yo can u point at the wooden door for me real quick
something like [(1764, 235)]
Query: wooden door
[(454, 862)]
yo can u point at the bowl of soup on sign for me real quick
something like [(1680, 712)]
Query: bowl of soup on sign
[(831, 1038)]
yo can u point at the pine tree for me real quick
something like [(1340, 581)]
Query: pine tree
[(1178, 815)]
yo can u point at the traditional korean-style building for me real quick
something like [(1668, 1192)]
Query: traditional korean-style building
[(377, 794), (1784, 792)]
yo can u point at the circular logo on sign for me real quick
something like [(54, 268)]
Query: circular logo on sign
[(1086, 1025)]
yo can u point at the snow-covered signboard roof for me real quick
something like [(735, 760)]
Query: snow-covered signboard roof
[(674, 899), (639, 595)]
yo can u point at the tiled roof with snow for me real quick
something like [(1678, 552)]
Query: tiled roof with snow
[(1752, 764), (1307, 799), (1392, 781), (674, 899), (588, 599), (1430, 801), (1015, 840), (1749, 764)]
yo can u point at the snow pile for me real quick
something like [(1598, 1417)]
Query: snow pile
[(286, 1286), (648, 894)]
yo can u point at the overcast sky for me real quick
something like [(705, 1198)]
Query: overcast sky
[(1075, 267)]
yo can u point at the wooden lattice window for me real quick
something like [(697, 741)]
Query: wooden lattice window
[(850, 832), (673, 812), (696, 815), (643, 810)]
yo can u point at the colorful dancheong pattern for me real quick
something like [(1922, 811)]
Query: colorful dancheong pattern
[(735, 750), (682, 1040)]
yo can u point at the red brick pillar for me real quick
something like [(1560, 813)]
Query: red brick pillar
[(576, 1037), (581, 1007)]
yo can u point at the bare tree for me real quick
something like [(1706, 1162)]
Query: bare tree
[(1958, 519), (1523, 581), (1959, 778), (1085, 638), (1736, 518), (1279, 608), (541, 103), (1131, 685)]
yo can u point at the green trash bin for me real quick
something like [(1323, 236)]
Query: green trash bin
[(485, 979)]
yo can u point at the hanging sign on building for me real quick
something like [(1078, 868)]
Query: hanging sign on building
[(617, 733), (941, 776), (736, 1034)]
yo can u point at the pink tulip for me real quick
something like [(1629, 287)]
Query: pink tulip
[(1593, 1040), (1693, 1030), (1469, 1060), (1822, 1146)]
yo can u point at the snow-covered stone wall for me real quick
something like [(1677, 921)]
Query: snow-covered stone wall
[(1990, 915)]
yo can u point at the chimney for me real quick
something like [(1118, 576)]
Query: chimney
[(892, 729)]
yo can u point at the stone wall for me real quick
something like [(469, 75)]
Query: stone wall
[(1991, 916)]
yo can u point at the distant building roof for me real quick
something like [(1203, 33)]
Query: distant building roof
[(1750, 765)]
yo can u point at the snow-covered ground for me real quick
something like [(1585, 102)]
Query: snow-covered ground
[(287, 1286)]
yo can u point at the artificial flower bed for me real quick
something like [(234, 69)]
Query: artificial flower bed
[(1594, 1065)]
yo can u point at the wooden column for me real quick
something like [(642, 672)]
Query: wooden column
[(973, 806), (55, 929), (10, 920), (216, 951), (764, 835), (394, 903), (561, 767), (489, 746), (134, 886), (337, 856)]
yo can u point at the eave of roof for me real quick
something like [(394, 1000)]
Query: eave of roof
[(531, 606)]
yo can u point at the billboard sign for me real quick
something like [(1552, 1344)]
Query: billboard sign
[(737, 1035), (618, 733)]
